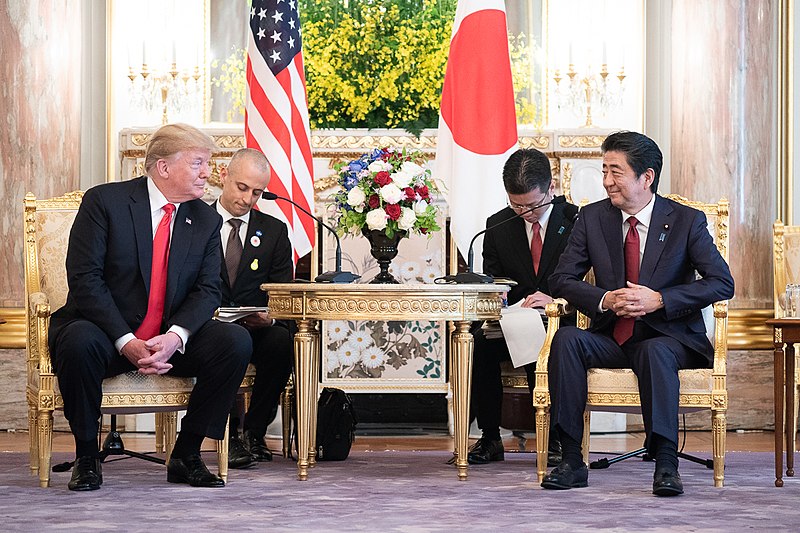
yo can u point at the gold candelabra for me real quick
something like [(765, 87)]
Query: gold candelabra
[(584, 90), (175, 87)]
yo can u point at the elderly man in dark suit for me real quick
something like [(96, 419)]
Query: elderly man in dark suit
[(256, 250), (656, 267), (526, 250), (143, 273)]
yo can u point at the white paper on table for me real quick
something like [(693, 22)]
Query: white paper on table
[(524, 333)]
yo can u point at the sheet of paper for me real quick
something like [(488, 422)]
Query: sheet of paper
[(232, 314), (524, 333)]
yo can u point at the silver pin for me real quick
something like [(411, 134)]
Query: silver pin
[(662, 237), (188, 220)]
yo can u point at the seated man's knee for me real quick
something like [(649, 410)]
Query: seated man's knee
[(237, 343)]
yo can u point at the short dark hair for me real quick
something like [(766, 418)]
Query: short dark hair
[(526, 170), (640, 151)]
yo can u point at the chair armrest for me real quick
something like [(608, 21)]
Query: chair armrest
[(39, 323), (554, 311)]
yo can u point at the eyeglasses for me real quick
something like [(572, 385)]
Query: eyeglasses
[(527, 207)]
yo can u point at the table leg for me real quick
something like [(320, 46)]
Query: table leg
[(789, 414), (303, 363), (462, 383), (778, 398), (315, 362)]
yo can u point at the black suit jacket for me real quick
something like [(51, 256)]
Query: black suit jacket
[(507, 250), (678, 248), (110, 257), (269, 262)]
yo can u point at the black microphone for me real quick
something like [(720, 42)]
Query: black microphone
[(476, 277), (337, 276)]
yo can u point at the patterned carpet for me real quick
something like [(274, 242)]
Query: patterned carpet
[(399, 491)]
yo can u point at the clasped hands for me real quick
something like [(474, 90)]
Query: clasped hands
[(632, 301), (151, 356)]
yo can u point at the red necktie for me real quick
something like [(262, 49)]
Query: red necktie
[(151, 326), (623, 329), (536, 247)]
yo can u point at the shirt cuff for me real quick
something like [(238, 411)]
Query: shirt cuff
[(600, 305), (122, 341), (183, 333)]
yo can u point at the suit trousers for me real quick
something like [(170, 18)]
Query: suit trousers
[(217, 355), (653, 357), (273, 357), (487, 386)]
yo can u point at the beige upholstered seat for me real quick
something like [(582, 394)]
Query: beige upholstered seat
[(47, 228), (617, 389)]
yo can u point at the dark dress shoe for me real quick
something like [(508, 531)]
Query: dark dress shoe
[(485, 451), (564, 477), (192, 470), (238, 456), (87, 474), (667, 483), (258, 448), (554, 456)]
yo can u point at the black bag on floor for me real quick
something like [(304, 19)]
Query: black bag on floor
[(336, 425)]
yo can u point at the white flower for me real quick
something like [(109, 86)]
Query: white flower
[(420, 207), (332, 362), (379, 165), (412, 169), (391, 193), (337, 330), (359, 339), (356, 197), (349, 354), (409, 270), (401, 179), (407, 219), (429, 275), (376, 219), (373, 357)]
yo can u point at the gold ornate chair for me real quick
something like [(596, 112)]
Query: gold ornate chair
[(47, 227), (786, 269), (617, 389)]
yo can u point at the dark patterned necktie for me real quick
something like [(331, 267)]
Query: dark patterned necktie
[(623, 329), (536, 247), (233, 250)]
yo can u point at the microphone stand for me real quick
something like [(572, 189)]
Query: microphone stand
[(337, 276), (476, 277)]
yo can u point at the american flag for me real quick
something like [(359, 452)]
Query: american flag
[(276, 115)]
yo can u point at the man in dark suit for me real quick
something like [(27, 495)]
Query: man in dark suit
[(656, 268), (143, 286), (526, 250), (256, 250)]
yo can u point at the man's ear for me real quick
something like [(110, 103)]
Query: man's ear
[(162, 168), (649, 175)]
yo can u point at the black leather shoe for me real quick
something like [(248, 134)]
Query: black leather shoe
[(238, 456), (554, 456), (87, 474), (485, 451), (667, 483), (564, 477), (258, 448), (192, 470)]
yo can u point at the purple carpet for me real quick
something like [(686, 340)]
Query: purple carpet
[(399, 491)]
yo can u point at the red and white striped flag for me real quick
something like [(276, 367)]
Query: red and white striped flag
[(478, 124), (276, 114)]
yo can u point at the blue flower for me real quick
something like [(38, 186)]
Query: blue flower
[(356, 166), (349, 182)]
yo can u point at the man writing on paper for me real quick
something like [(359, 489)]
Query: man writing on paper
[(525, 250), (143, 273), (656, 267), (256, 250)]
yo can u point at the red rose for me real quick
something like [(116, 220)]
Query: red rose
[(410, 194), (422, 191), (393, 210), (382, 178), (423, 230), (374, 201)]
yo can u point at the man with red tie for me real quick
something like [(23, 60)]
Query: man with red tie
[(656, 267), (525, 249), (143, 269)]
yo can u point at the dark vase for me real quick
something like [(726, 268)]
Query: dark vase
[(383, 249)]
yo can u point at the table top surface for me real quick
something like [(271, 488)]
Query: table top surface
[(386, 287)]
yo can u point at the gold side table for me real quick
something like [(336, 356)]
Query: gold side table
[(308, 303), (786, 333)]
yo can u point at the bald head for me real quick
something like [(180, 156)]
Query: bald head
[(243, 181)]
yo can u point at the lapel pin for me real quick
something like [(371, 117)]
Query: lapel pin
[(561, 230), (255, 241), (258, 232), (254, 264), (662, 237), (188, 221)]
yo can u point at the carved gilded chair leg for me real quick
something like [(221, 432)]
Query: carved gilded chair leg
[(159, 432), (45, 434), (287, 398), (587, 424), (34, 440), (542, 438), (222, 452), (170, 431), (718, 429)]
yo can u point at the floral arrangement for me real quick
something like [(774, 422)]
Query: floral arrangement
[(385, 190)]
